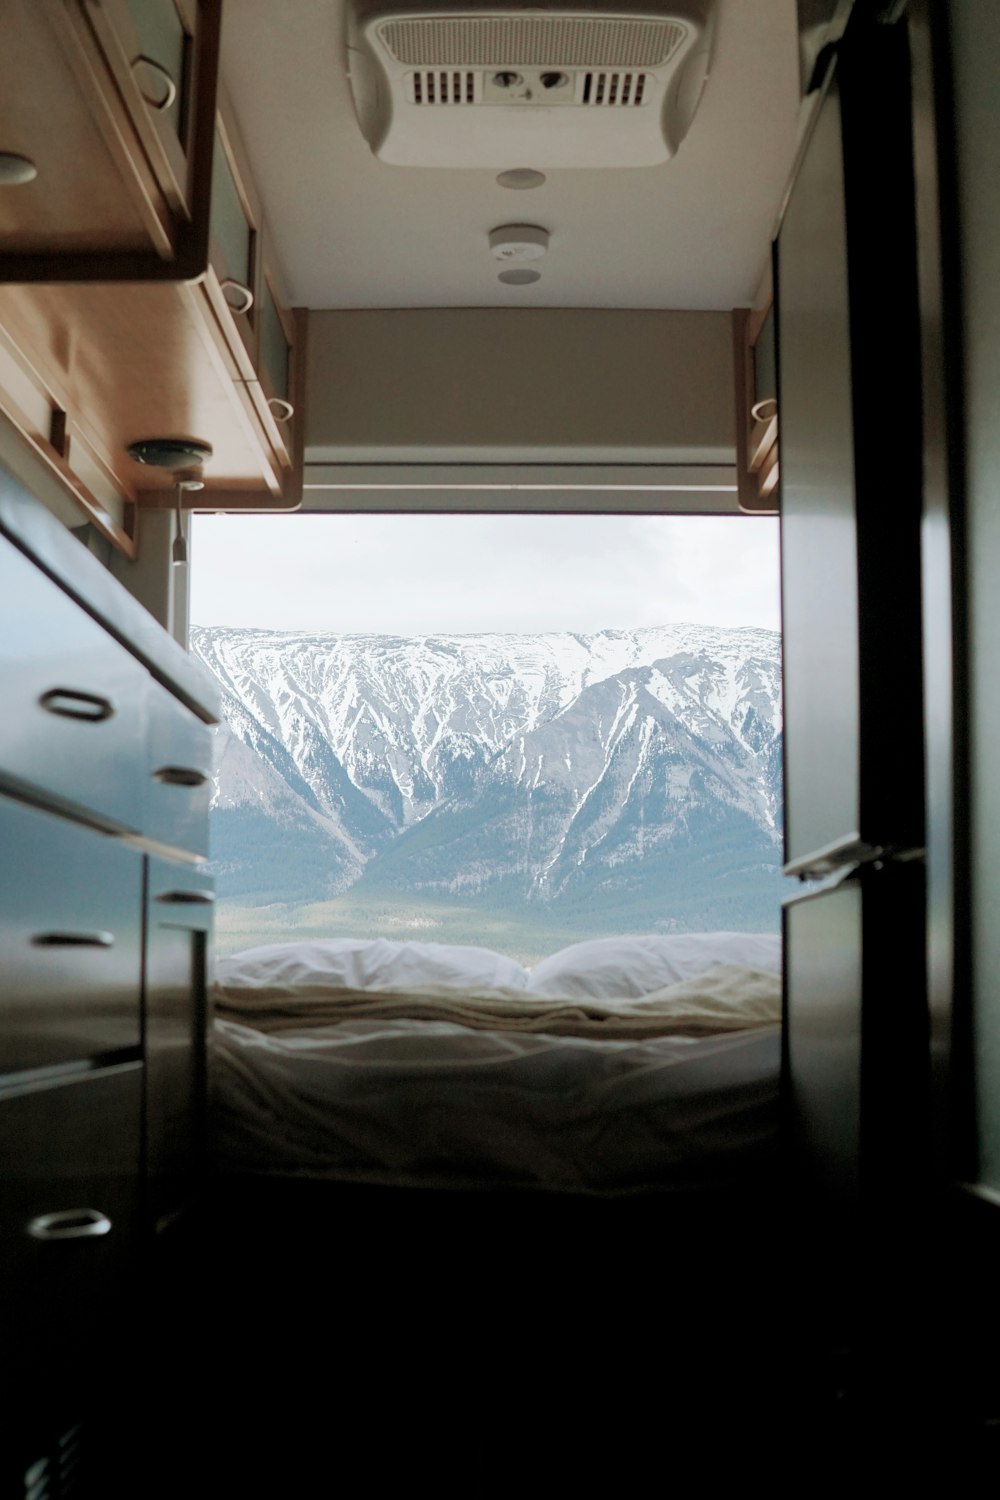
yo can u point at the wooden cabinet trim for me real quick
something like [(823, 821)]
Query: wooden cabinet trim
[(757, 451)]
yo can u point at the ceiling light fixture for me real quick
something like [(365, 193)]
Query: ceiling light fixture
[(184, 458), (521, 178)]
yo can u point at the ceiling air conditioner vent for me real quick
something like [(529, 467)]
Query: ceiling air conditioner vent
[(541, 86)]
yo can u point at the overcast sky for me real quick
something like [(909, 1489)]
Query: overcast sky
[(425, 574)]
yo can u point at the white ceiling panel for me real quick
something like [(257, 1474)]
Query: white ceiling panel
[(353, 232)]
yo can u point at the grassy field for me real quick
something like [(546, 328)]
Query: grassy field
[(351, 916)]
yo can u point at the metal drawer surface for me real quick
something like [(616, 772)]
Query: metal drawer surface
[(70, 934), (74, 710), (179, 781), (69, 1213)]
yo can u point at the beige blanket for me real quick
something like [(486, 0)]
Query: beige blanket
[(725, 998)]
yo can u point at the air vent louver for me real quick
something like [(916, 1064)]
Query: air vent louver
[(571, 86), (614, 88), (441, 86)]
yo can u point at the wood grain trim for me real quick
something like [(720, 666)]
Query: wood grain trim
[(116, 122), (179, 248), (119, 45), (194, 234), (743, 398), (50, 434)]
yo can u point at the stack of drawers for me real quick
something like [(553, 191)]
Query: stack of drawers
[(105, 779)]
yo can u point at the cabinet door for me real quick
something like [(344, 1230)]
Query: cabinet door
[(176, 1029), (112, 102), (849, 397), (234, 251), (68, 1246), (71, 936), (278, 393)]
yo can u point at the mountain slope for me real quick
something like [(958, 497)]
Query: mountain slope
[(617, 776)]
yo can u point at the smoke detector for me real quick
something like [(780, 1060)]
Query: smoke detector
[(435, 85), (519, 242)]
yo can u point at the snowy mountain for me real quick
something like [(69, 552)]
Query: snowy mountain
[(613, 775)]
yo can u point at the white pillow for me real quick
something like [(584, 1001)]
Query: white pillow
[(625, 968), (369, 964)]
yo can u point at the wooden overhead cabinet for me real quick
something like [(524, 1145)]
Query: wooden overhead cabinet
[(107, 111), (90, 367)]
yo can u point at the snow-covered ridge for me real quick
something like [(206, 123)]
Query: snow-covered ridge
[(399, 712)]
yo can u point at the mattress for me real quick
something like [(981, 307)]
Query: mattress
[(501, 1078)]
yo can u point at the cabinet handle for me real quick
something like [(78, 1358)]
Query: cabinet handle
[(73, 940), (69, 703), (180, 776), (70, 1224), (229, 284), (281, 410), (763, 411), (187, 898), (159, 105)]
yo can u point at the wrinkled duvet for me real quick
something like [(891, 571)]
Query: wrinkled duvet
[(429, 1085)]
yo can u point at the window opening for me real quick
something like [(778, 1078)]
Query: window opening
[(518, 732)]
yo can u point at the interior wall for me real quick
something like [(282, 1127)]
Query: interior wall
[(501, 385), (975, 35)]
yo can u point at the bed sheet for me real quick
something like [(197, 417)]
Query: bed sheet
[(434, 1104)]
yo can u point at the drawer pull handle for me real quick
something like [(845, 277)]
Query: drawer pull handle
[(187, 898), (281, 410), (159, 105), (245, 295), (180, 776), (69, 703), (70, 1224), (73, 940)]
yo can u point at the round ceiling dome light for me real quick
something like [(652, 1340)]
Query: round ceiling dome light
[(16, 169), (521, 178), (170, 453), (519, 278), (519, 242)]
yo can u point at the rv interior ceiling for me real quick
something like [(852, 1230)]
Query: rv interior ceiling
[(418, 350), (354, 232)]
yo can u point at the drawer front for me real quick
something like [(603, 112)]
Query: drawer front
[(69, 1215), (179, 783), (176, 1030), (73, 724), (70, 934)]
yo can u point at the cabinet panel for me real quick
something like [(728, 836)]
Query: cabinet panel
[(179, 785), (70, 929), (74, 719), (848, 371), (235, 246), (68, 1236), (179, 918), (113, 103), (818, 529)]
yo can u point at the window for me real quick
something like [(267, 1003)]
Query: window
[(514, 731)]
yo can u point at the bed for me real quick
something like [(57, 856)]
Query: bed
[(617, 1066)]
